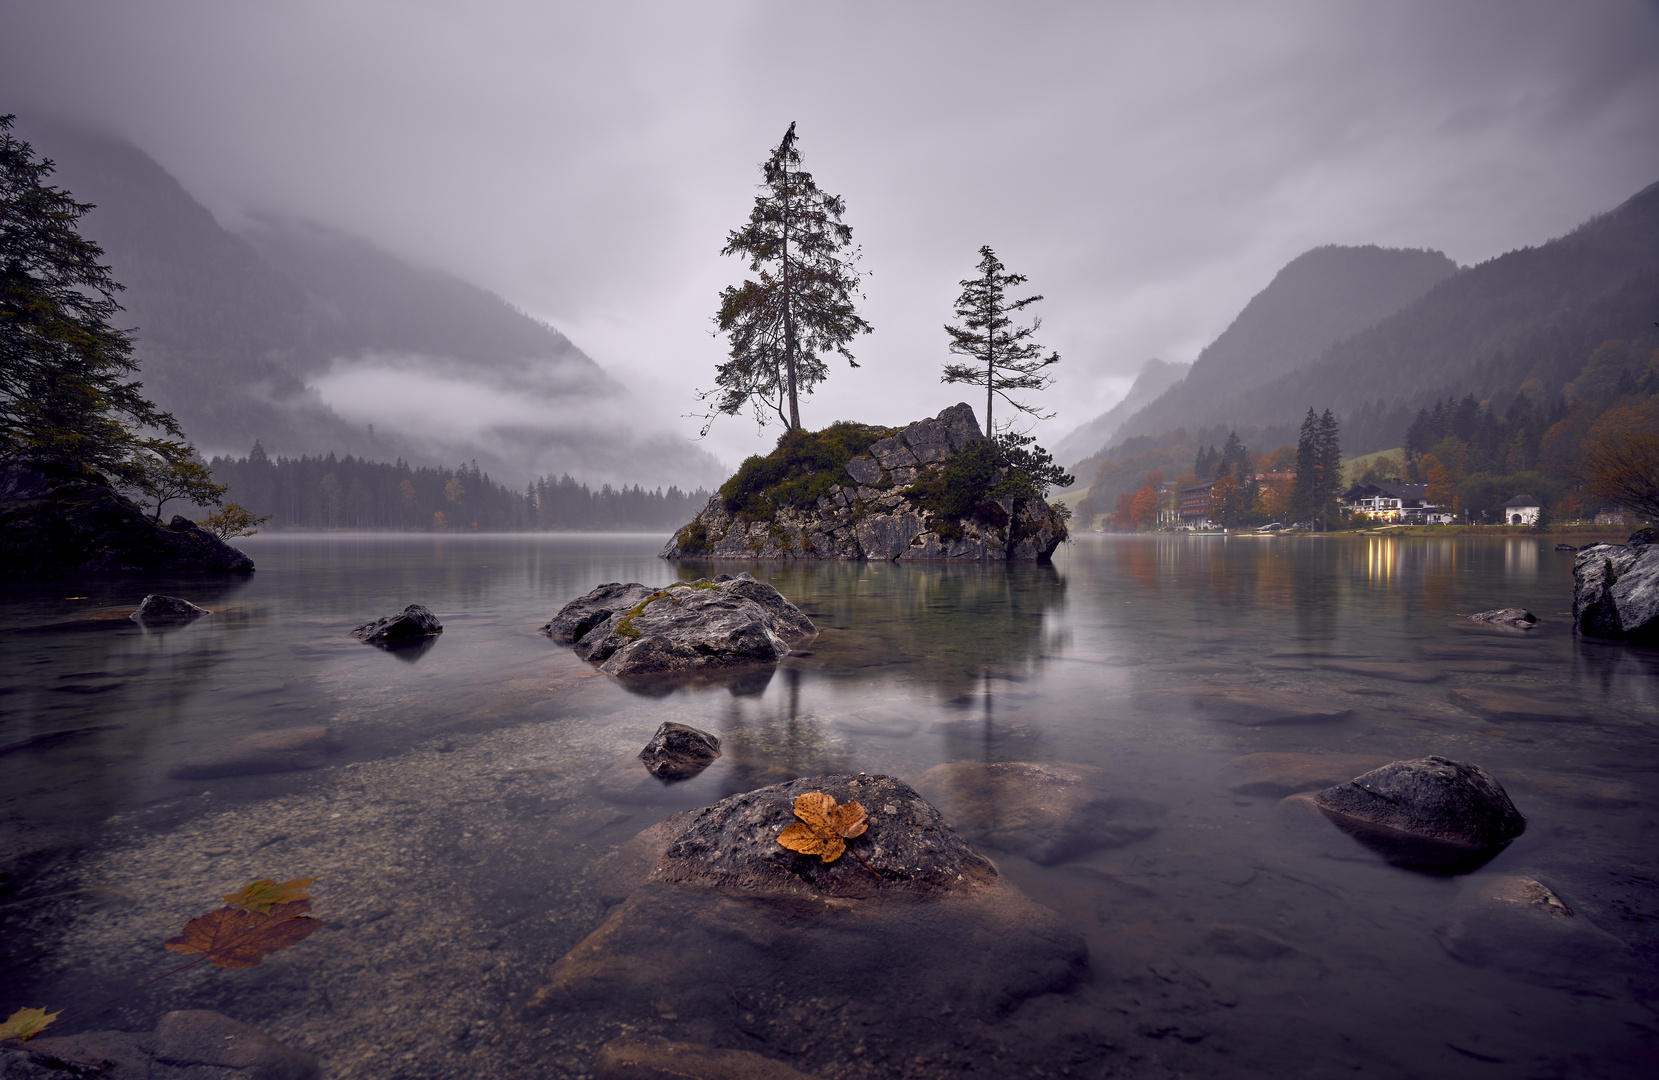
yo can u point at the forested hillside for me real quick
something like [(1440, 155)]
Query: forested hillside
[(351, 493), (1522, 361)]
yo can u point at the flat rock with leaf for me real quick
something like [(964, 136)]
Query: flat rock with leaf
[(724, 923)]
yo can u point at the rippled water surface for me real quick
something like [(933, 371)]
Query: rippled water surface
[(462, 826)]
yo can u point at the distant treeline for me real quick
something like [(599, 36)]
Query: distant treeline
[(357, 494)]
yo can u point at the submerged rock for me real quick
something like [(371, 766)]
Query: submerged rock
[(1509, 618), (686, 627), (284, 750), (1430, 813), (411, 626), (1511, 706), (1279, 774), (1247, 706), (156, 608), (191, 1044), (1519, 925), (1616, 591), (1048, 812), (728, 922), (873, 509), (679, 751), (65, 525)]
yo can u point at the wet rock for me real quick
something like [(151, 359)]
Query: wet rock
[(156, 608), (679, 751), (582, 614), (1242, 705), (285, 750), (1519, 925), (729, 923), (684, 628), (411, 626), (659, 1059), (1616, 591), (192, 1044), (1047, 812), (1279, 775), (1509, 705), (52, 524), (1509, 618), (1429, 813)]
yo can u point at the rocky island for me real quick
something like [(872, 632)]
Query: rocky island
[(934, 489), (52, 524)]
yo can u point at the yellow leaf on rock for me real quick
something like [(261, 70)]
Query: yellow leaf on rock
[(27, 1023), (260, 895), (824, 827)]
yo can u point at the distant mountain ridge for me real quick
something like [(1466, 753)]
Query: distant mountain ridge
[(1155, 377), (1526, 320), (311, 341), (1317, 299)]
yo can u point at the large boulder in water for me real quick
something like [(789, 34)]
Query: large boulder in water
[(159, 609), (1432, 812), (686, 627), (1616, 591), (911, 929), (411, 626), (679, 751), (75, 525)]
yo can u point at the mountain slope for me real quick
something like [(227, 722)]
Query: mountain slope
[(1532, 314), (1316, 300), (1155, 377), (314, 342)]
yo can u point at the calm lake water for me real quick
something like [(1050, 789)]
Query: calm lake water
[(461, 829)]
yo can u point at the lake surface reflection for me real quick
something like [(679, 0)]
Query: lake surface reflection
[(463, 825)]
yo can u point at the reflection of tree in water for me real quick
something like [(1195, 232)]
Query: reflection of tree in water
[(942, 623)]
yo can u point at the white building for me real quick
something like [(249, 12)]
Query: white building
[(1521, 510)]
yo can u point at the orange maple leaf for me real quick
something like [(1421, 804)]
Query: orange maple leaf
[(824, 827), (232, 938), (260, 895)]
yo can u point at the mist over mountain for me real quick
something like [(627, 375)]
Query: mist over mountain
[(312, 341), (1316, 300), (1155, 377)]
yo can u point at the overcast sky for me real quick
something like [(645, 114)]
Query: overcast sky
[(1148, 166)]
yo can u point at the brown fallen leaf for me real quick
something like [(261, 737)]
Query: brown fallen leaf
[(824, 827), (27, 1023), (232, 938), (260, 895)]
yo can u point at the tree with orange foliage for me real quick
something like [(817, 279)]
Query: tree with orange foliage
[(1442, 483), (1625, 471), (1123, 513), (1143, 512)]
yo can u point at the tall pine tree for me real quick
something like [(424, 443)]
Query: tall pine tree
[(1005, 358), (802, 304)]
